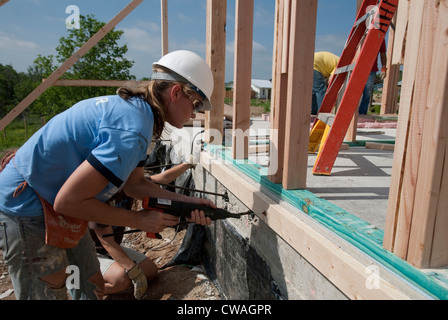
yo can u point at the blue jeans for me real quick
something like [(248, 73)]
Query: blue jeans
[(367, 94), (22, 241), (319, 90)]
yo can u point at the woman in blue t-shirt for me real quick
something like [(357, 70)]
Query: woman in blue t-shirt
[(62, 176)]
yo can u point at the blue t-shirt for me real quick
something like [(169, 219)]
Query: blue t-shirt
[(111, 133)]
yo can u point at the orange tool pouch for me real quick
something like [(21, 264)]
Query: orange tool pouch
[(60, 231)]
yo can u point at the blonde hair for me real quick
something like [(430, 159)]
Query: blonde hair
[(153, 94)]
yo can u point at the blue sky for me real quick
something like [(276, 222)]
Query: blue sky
[(31, 27)]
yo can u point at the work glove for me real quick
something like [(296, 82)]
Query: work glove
[(139, 281), (383, 73)]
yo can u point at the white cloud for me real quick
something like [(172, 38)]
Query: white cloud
[(140, 40), (263, 17), (261, 61), (19, 53), (188, 44), (10, 43), (185, 18), (331, 42)]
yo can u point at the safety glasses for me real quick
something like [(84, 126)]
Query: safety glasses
[(197, 104)]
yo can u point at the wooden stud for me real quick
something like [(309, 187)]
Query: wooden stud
[(216, 57), (244, 16), (417, 218), (404, 119), (389, 97), (414, 136), (401, 29), (278, 99), (428, 236), (164, 25), (299, 95)]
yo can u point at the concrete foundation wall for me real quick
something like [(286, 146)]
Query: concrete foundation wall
[(250, 261)]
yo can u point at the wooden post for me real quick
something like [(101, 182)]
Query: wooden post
[(399, 214), (389, 97), (278, 98), (428, 237), (299, 95), (417, 218), (216, 57), (67, 64), (164, 25), (244, 16)]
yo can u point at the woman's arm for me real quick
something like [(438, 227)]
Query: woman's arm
[(76, 198), (138, 186), (171, 174)]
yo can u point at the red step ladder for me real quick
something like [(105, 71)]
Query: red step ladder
[(373, 21)]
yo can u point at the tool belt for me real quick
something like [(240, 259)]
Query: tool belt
[(60, 231)]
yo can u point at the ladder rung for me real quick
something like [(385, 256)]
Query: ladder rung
[(346, 68), (326, 118)]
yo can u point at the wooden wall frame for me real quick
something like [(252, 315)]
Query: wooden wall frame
[(417, 218), (417, 205)]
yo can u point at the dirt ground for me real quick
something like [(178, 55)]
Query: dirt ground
[(179, 282)]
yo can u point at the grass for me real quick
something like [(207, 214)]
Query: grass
[(18, 132), (264, 103)]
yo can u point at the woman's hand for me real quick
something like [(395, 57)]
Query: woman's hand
[(154, 221), (199, 216)]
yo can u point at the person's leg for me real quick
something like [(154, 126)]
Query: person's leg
[(116, 280), (37, 271), (367, 94), (149, 268), (83, 257), (319, 90)]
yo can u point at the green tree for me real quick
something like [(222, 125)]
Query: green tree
[(8, 79), (105, 61)]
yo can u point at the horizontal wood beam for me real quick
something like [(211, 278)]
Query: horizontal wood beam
[(94, 83)]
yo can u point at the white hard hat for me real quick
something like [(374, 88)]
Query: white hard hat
[(192, 69)]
